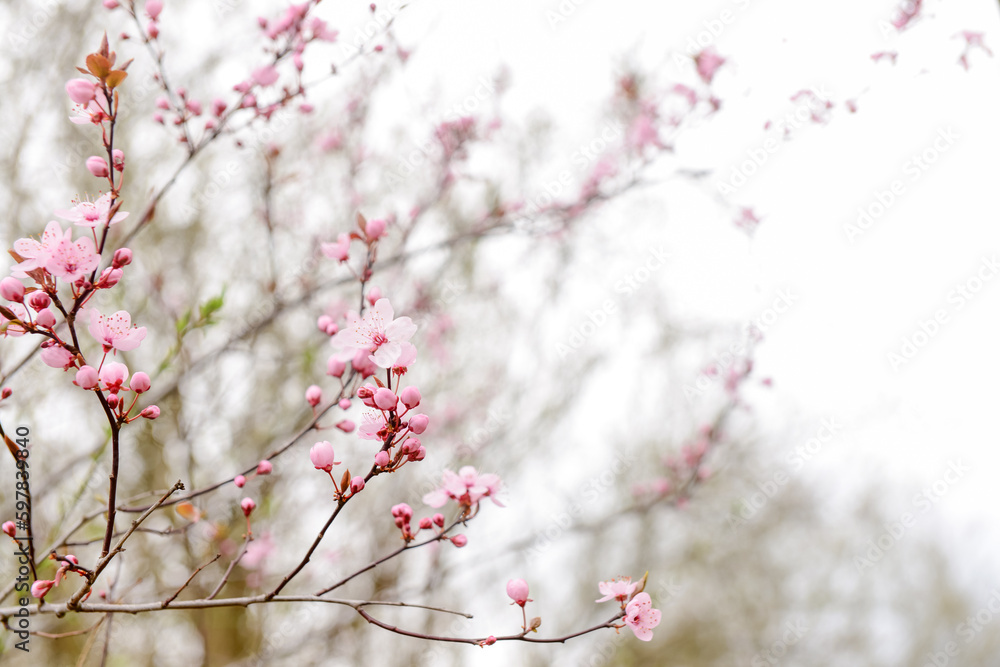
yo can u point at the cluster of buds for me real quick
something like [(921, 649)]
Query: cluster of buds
[(393, 424), (111, 381), (68, 563), (263, 468), (402, 514)]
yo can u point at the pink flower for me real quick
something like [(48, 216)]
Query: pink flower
[(460, 541), (382, 459), (339, 250), (36, 254), (418, 423), (410, 396), (707, 63), (93, 214), (151, 412), (56, 355), (641, 617), (619, 589), (80, 91), (385, 399), (248, 506), (97, 166), (115, 332), (321, 456), (517, 590), (378, 333), (264, 467), (12, 289), (357, 484), (239, 481), (153, 8), (406, 358), (265, 76), (114, 375), (86, 377), (41, 587), (371, 424), (747, 220), (39, 301), (314, 395), (466, 488), (335, 367), (72, 260)]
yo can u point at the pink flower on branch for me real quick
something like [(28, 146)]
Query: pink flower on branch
[(377, 333), (115, 332), (467, 488), (641, 617), (93, 214), (72, 260), (617, 589), (708, 62), (36, 254)]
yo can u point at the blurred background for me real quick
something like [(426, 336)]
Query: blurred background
[(752, 355)]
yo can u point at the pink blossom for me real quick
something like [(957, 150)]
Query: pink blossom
[(72, 260), (378, 333), (239, 481), (12, 289), (248, 506), (418, 423), (339, 250), (375, 229), (335, 367), (619, 589), (39, 300), (115, 332), (910, 11), (46, 318), (86, 377), (153, 8), (345, 425), (708, 62), (264, 467), (257, 551), (644, 133), (517, 590), (362, 363), (371, 424), (41, 587), (265, 76), (114, 375), (93, 214), (95, 111), (140, 383), (382, 459), (9, 528), (410, 396), (406, 358), (118, 159), (466, 488), (344, 403), (321, 456), (314, 395), (97, 166), (36, 254), (385, 399), (56, 355), (641, 617), (357, 484), (151, 412), (460, 541), (80, 91)]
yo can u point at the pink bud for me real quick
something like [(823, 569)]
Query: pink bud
[(490, 641), (152, 412), (194, 106), (425, 523), (248, 506), (418, 455), (264, 76), (517, 590), (162, 103), (264, 467), (321, 456), (363, 364), (158, 118), (109, 277), (346, 425), (344, 403), (98, 166), (8, 528), (385, 399), (366, 393), (297, 59), (153, 30), (382, 459), (123, 257), (418, 423), (410, 397), (314, 395), (153, 8), (6, 393), (324, 322), (118, 159), (357, 484), (86, 377), (41, 587), (80, 91), (218, 106), (402, 511), (140, 383), (374, 294), (114, 376), (12, 289), (46, 319), (239, 481), (460, 541), (335, 367), (39, 301), (374, 229), (111, 4), (438, 520)]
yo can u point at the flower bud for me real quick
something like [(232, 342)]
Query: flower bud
[(344, 403), (118, 159), (218, 106), (153, 8), (12, 289), (314, 395), (346, 425), (321, 456), (418, 423), (357, 484), (248, 506), (39, 300), (86, 377), (410, 397), (140, 383), (98, 166), (264, 467), (367, 393), (384, 399), (375, 229), (517, 590), (438, 520), (425, 523), (239, 481), (152, 412), (9, 528), (46, 319), (123, 257), (41, 587), (109, 277), (113, 401), (6, 393), (80, 91), (460, 541), (335, 367), (382, 459), (374, 294), (153, 30), (323, 322)]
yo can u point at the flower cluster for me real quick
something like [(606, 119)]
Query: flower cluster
[(467, 488), (402, 514)]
